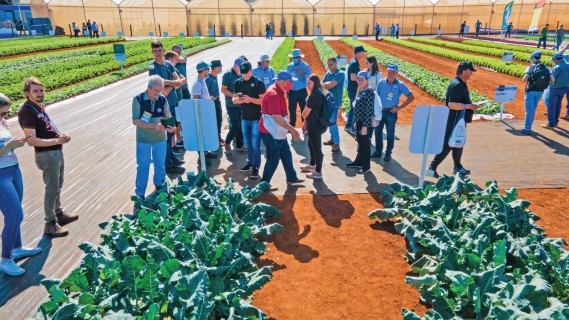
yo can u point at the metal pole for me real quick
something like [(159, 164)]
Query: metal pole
[(374, 18), (426, 147), (84, 13), (219, 15), (120, 18), (344, 15), (549, 11), (520, 16), (251, 10), (403, 20), (154, 16), (432, 18), (282, 16), (462, 12), (313, 31), (490, 23), (187, 21)]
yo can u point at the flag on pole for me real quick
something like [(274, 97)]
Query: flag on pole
[(536, 15), (507, 13)]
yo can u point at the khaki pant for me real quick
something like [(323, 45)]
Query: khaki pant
[(51, 163)]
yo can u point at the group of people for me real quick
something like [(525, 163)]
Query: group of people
[(559, 36), (393, 30), (269, 31), (88, 29), (551, 84), (41, 133)]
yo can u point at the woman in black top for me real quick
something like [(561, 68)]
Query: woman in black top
[(363, 122), (311, 114)]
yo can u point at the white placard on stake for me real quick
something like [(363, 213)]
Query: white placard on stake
[(505, 93), (198, 118), (428, 133), (507, 57)]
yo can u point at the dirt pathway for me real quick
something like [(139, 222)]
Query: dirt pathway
[(332, 262), (421, 96), (484, 81)]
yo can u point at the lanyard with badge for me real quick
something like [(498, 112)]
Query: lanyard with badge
[(390, 94), (46, 118)]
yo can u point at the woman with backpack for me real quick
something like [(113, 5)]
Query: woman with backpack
[(538, 77), (312, 114)]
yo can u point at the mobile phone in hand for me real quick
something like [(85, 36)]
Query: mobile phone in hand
[(240, 95), (29, 136)]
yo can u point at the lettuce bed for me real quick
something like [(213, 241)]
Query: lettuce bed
[(478, 254), (280, 59), (29, 45), (185, 253)]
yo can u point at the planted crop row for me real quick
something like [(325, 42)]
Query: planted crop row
[(185, 253), (280, 59), (508, 47), (64, 69), (16, 47), (520, 56), (536, 38), (494, 64), (478, 254), (433, 83), (97, 82)]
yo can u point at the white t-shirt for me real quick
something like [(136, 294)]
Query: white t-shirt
[(199, 88), (9, 158), (374, 80)]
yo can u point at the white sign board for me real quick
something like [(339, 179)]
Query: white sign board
[(317, 31), (412, 33), (342, 60), (507, 57), (343, 32), (187, 115), (196, 34), (384, 31), (151, 34), (466, 29), (355, 37), (165, 33), (505, 93), (440, 32), (119, 34), (428, 133), (181, 34)]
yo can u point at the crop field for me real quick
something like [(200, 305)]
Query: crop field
[(211, 244)]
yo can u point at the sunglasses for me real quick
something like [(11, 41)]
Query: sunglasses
[(3, 114)]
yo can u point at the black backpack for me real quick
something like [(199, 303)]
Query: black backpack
[(329, 106), (538, 78)]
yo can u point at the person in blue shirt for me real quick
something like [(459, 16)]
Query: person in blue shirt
[(333, 81), (397, 31), (264, 72), (509, 30), (392, 31), (478, 25), (300, 70), (557, 90), (352, 88), (377, 29), (390, 89)]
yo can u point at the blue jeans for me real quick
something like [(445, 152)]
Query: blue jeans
[(144, 152), (477, 32), (11, 206), (567, 105), (277, 150), (531, 100), (350, 122), (544, 39), (252, 139), (554, 105), (234, 114), (334, 132), (388, 119), (558, 44)]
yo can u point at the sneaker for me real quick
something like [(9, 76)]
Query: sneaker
[(246, 168), (63, 218), (526, 132), (227, 147), (362, 171), (10, 268), (347, 129), (328, 143), (254, 174), (243, 148), (353, 165), (178, 162), (175, 169), (177, 151), (54, 229), (25, 252), (180, 144), (433, 173), (314, 175), (461, 171), (376, 154), (307, 168), (547, 127), (295, 182), (335, 147), (209, 155), (387, 157)]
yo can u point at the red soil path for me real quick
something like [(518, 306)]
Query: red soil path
[(421, 96), (484, 81)]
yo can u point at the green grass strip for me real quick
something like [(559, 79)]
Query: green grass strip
[(520, 56), (280, 59), (494, 64), (15, 47), (97, 82), (508, 47), (433, 83)]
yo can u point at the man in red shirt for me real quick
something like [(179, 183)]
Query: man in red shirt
[(47, 142), (274, 127)]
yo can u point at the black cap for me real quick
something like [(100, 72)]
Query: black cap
[(359, 49), (246, 66), (466, 65), (215, 63)]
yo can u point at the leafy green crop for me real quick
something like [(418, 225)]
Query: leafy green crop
[(99, 81), (185, 253), (494, 64), (22, 46), (280, 59), (478, 254), (520, 56), (508, 47), (433, 83)]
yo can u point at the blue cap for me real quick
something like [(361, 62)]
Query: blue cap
[(393, 66), (239, 61), (359, 49), (557, 55), (536, 55), (295, 53), (284, 75), (202, 65), (363, 74)]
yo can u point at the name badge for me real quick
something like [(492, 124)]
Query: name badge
[(390, 96), (146, 116), (267, 80)]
